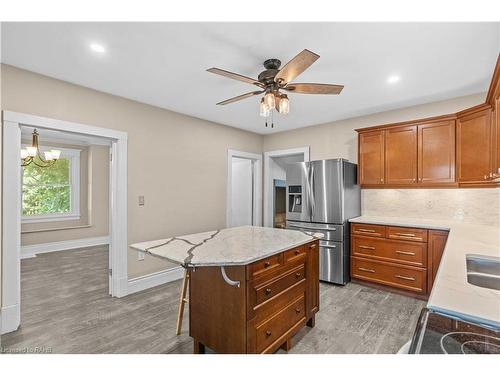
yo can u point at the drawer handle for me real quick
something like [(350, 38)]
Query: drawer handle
[(405, 252), (366, 269), (297, 310), (366, 247), (312, 246), (267, 264), (268, 291), (366, 230), (405, 277), (405, 234), (297, 252), (268, 333), (297, 275)]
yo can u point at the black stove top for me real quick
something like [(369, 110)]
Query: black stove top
[(441, 334)]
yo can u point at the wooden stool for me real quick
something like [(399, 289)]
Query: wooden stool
[(182, 301)]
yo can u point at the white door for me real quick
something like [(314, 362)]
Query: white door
[(242, 192)]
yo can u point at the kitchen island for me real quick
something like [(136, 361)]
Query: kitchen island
[(251, 288)]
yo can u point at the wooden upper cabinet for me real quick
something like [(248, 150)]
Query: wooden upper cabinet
[(401, 155), (497, 129), (475, 141), (371, 158), (436, 152)]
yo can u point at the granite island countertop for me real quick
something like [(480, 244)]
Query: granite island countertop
[(451, 293), (225, 247)]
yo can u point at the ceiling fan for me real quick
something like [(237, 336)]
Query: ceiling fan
[(274, 79)]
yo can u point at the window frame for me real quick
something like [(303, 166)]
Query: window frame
[(73, 155)]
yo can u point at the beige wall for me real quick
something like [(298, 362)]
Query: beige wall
[(177, 162), (94, 202), (339, 140)]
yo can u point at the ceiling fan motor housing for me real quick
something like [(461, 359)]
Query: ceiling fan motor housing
[(272, 68)]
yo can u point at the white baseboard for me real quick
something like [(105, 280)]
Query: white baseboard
[(154, 279), (31, 251), (10, 319)]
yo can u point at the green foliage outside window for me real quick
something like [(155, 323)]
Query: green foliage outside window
[(47, 190)]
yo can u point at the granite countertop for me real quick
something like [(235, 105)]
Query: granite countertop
[(451, 293), (225, 247)]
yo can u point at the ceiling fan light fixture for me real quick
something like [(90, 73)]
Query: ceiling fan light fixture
[(264, 110), (284, 105), (269, 100)]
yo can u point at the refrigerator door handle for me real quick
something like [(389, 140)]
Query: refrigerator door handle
[(311, 189)]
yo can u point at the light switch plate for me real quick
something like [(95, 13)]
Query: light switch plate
[(141, 200), (140, 255)]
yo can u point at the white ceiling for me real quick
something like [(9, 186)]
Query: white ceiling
[(164, 64)]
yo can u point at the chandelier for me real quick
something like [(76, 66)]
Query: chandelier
[(32, 154)]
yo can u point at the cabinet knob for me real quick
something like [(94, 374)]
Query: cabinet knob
[(267, 264), (268, 291), (381, 180), (297, 252), (485, 176), (297, 310), (414, 180), (297, 275), (268, 333)]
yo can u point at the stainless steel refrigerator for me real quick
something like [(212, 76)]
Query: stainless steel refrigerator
[(321, 197)]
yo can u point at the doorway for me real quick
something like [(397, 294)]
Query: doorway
[(244, 192), (11, 203), (274, 183)]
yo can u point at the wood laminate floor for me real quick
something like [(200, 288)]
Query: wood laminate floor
[(65, 308)]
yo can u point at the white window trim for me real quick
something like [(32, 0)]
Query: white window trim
[(73, 155)]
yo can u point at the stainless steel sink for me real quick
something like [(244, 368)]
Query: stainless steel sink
[(483, 271)]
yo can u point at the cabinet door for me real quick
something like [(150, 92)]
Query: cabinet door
[(437, 242), (371, 158), (436, 153), (474, 147), (401, 155)]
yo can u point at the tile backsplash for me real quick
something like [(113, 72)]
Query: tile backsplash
[(480, 206)]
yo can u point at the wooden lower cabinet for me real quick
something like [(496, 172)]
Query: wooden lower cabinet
[(404, 259), (277, 297), (437, 242)]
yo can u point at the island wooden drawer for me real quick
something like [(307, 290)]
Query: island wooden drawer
[(272, 288), (297, 254), (399, 276), (414, 254), (265, 266), (368, 230), (275, 327), (407, 234)]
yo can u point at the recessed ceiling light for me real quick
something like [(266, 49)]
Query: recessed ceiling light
[(96, 47), (393, 79)]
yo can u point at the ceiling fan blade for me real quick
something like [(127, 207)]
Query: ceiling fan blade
[(240, 97), (296, 66), (235, 76), (314, 88)]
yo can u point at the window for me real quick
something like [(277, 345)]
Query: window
[(52, 193)]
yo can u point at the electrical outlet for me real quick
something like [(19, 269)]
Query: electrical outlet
[(141, 200), (140, 255)]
